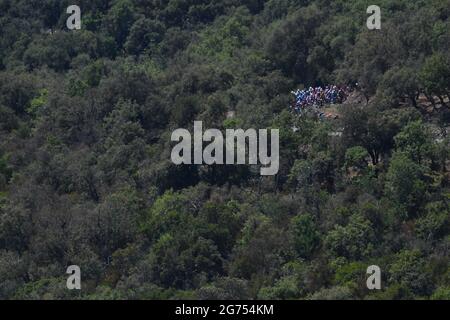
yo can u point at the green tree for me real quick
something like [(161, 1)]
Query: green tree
[(409, 270), (356, 157), (405, 185), (435, 77), (306, 236), (354, 240), (415, 141), (145, 34)]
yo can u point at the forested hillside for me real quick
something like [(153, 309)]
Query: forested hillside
[(86, 177)]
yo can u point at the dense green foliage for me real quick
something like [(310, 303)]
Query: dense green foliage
[(85, 171)]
